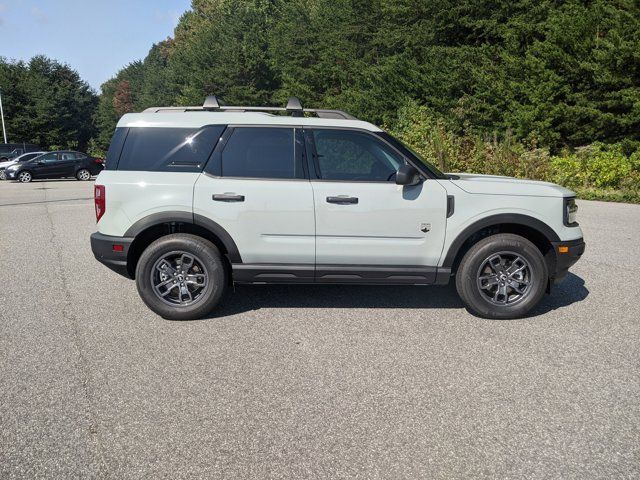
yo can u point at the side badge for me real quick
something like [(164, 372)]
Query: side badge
[(425, 227)]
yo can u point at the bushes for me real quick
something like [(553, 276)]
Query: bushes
[(595, 171)]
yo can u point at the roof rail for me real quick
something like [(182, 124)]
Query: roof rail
[(294, 108)]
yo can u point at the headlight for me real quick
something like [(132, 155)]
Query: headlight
[(570, 212)]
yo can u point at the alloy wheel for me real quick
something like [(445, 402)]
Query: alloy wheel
[(179, 279), (24, 177), (504, 278)]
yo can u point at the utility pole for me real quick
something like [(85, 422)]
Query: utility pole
[(4, 131)]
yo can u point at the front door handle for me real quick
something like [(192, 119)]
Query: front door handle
[(342, 200), (227, 197)]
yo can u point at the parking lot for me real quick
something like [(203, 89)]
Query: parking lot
[(309, 381)]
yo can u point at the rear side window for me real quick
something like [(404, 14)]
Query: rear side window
[(261, 152), (115, 147), (167, 149)]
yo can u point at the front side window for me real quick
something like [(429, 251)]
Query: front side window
[(167, 149), (350, 155), (48, 158), (261, 152)]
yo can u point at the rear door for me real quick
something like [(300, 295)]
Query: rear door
[(67, 164), (362, 217), (255, 187)]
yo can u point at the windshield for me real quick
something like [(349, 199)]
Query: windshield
[(408, 152)]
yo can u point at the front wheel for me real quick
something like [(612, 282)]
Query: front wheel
[(502, 276), (83, 175), (24, 177), (181, 276)]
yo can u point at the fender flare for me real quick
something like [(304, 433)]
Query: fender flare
[(190, 218), (512, 218)]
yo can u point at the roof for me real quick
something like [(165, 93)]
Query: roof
[(197, 119)]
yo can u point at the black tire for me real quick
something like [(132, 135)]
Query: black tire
[(83, 175), (24, 176), (212, 265), (481, 301)]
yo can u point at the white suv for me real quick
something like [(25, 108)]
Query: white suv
[(194, 199)]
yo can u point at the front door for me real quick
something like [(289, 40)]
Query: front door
[(47, 166), (363, 219), (255, 188)]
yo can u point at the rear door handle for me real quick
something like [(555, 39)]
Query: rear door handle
[(227, 197), (342, 200)]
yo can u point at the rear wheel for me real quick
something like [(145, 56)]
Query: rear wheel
[(24, 177), (83, 174), (502, 276), (181, 276)]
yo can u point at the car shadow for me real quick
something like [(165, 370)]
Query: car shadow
[(246, 298), (570, 291)]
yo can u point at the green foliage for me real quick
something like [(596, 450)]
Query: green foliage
[(593, 170), (506, 88), (549, 74), (46, 103)]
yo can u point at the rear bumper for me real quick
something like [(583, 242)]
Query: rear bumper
[(565, 259), (103, 249)]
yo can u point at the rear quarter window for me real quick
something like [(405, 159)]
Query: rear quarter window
[(166, 149)]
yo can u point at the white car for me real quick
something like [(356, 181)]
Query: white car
[(22, 158), (194, 199)]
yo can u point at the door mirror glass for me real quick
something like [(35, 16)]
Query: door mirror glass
[(407, 175)]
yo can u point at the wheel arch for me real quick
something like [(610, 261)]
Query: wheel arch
[(534, 230), (150, 228)]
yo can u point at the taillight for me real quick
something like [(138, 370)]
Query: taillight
[(98, 160), (100, 201)]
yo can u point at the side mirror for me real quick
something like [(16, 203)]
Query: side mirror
[(407, 175)]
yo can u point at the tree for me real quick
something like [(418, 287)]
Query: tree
[(46, 103)]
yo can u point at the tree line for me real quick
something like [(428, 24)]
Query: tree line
[(553, 74), (47, 103), (530, 76)]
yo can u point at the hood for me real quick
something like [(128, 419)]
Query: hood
[(497, 185), (7, 163)]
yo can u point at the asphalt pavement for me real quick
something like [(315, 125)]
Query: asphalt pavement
[(309, 381)]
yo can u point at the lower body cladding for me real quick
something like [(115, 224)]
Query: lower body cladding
[(353, 274), (113, 252), (567, 254)]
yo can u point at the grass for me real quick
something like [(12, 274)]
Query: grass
[(621, 196)]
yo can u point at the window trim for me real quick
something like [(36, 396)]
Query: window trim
[(213, 168), (310, 144)]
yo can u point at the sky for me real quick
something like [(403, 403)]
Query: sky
[(96, 38)]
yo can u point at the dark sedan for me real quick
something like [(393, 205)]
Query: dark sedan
[(59, 164)]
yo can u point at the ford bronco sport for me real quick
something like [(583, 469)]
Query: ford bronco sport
[(194, 199)]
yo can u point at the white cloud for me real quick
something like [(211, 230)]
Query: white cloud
[(39, 15), (3, 8)]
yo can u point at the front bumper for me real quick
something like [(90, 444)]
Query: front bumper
[(112, 251), (10, 174), (566, 254)]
